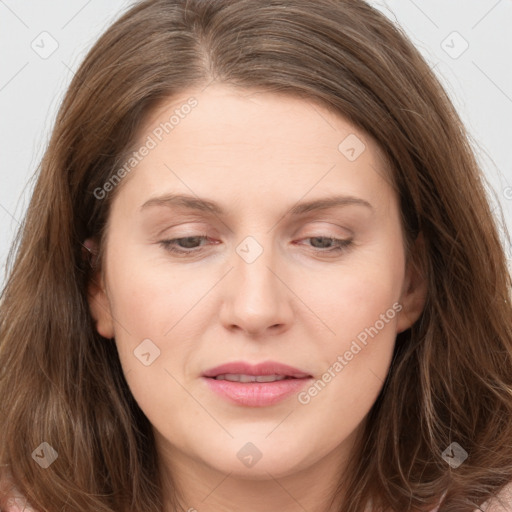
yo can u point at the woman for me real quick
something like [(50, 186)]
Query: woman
[(258, 272)]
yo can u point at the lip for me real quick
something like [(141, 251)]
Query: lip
[(256, 394), (265, 368)]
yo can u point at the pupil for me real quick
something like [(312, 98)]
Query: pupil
[(187, 240), (322, 238)]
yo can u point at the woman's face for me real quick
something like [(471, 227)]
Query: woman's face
[(267, 272)]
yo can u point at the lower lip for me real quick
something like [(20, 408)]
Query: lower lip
[(256, 394)]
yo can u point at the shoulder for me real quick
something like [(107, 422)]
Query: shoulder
[(502, 503), (11, 500)]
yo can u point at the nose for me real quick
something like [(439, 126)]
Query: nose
[(257, 299)]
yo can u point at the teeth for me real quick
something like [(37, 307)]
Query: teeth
[(269, 378), (235, 377)]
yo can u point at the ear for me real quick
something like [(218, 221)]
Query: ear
[(99, 305), (414, 290)]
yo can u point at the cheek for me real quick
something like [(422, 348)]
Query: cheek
[(149, 305), (151, 297), (353, 296), (359, 303)]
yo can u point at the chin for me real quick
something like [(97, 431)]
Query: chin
[(256, 458)]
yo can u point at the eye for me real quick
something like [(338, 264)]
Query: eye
[(184, 245), (192, 244), (326, 244)]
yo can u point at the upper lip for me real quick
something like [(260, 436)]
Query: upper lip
[(265, 368)]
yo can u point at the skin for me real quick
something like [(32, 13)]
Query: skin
[(257, 154)]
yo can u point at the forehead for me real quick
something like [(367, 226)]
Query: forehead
[(275, 118), (250, 140)]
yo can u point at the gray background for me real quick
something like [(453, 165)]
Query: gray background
[(469, 44)]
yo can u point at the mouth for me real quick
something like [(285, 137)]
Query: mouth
[(236, 377), (231, 371), (258, 385)]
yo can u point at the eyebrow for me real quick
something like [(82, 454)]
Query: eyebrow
[(205, 205)]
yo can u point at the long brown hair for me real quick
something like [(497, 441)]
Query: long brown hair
[(451, 375)]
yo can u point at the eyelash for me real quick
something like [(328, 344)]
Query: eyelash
[(170, 245)]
